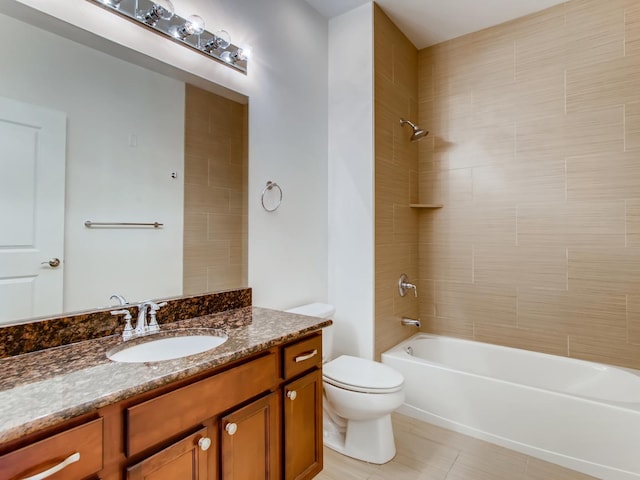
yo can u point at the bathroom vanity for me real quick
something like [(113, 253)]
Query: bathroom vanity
[(249, 409)]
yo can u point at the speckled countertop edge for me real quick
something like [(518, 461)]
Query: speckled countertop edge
[(41, 389)]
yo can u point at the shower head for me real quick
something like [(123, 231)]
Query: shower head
[(418, 133)]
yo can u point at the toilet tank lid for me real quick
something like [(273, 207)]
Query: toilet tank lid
[(322, 310)]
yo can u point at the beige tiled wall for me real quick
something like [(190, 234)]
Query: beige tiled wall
[(396, 178), (535, 153), (215, 216)]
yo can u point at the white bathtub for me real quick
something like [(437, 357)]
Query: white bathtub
[(581, 415)]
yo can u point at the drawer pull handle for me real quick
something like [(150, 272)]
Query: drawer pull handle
[(292, 394), (231, 428), (204, 443), (306, 356), (56, 468)]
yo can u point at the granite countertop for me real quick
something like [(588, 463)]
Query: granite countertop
[(41, 389)]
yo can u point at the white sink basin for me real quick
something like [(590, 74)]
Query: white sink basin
[(167, 346)]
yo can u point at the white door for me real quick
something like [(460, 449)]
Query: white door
[(32, 181)]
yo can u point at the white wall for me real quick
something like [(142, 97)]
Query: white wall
[(107, 100), (351, 181), (287, 90)]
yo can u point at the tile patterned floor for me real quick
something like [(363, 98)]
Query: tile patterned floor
[(427, 452)]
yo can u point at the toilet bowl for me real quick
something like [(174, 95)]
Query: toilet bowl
[(358, 398)]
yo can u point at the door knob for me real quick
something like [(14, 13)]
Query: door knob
[(53, 263), (231, 428), (292, 394)]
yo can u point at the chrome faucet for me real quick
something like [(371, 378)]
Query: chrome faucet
[(141, 324), (120, 298), (404, 285), (142, 328), (410, 322)]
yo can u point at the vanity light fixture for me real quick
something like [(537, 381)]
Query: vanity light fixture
[(159, 16)]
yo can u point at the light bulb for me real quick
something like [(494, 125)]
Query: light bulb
[(223, 39), (245, 53), (240, 55), (227, 57), (194, 25), (161, 9)]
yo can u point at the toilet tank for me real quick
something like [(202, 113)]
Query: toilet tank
[(322, 310)]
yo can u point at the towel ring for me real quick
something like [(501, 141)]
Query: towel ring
[(270, 186)]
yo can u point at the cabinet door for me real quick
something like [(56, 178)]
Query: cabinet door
[(250, 441), (184, 460), (303, 427)]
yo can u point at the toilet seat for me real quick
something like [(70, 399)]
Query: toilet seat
[(360, 375)]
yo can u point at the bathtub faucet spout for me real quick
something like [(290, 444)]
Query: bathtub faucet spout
[(410, 322)]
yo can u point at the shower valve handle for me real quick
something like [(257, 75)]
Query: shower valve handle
[(404, 285)]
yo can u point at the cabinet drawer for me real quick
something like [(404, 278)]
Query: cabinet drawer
[(74, 454), (302, 355), (158, 419)]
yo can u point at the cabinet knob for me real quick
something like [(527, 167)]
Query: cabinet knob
[(231, 428), (291, 394), (204, 443)]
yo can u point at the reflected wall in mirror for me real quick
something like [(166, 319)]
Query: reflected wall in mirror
[(215, 197), (124, 161)]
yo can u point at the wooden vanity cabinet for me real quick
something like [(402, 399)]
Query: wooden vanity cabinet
[(303, 427), (260, 418), (302, 409)]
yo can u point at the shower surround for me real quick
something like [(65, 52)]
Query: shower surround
[(535, 135)]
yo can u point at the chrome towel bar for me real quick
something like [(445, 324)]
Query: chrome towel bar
[(90, 224)]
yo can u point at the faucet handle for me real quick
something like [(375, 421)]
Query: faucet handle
[(404, 285), (154, 307), (127, 333), (153, 322)]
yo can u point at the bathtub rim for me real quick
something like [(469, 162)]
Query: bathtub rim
[(399, 349)]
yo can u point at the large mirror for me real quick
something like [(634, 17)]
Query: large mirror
[(87, 137)]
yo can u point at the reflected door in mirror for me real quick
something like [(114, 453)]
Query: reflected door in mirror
[(32, 162)]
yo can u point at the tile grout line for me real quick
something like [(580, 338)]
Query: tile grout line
[(453, 464), (517, 233), (626, 316), (565, 91), (624, 127), (567, 269), (626, 241)]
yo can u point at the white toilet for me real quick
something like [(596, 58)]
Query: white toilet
[(359, 396)]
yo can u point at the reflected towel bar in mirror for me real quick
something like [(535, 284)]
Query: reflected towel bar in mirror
[(90, 224)]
